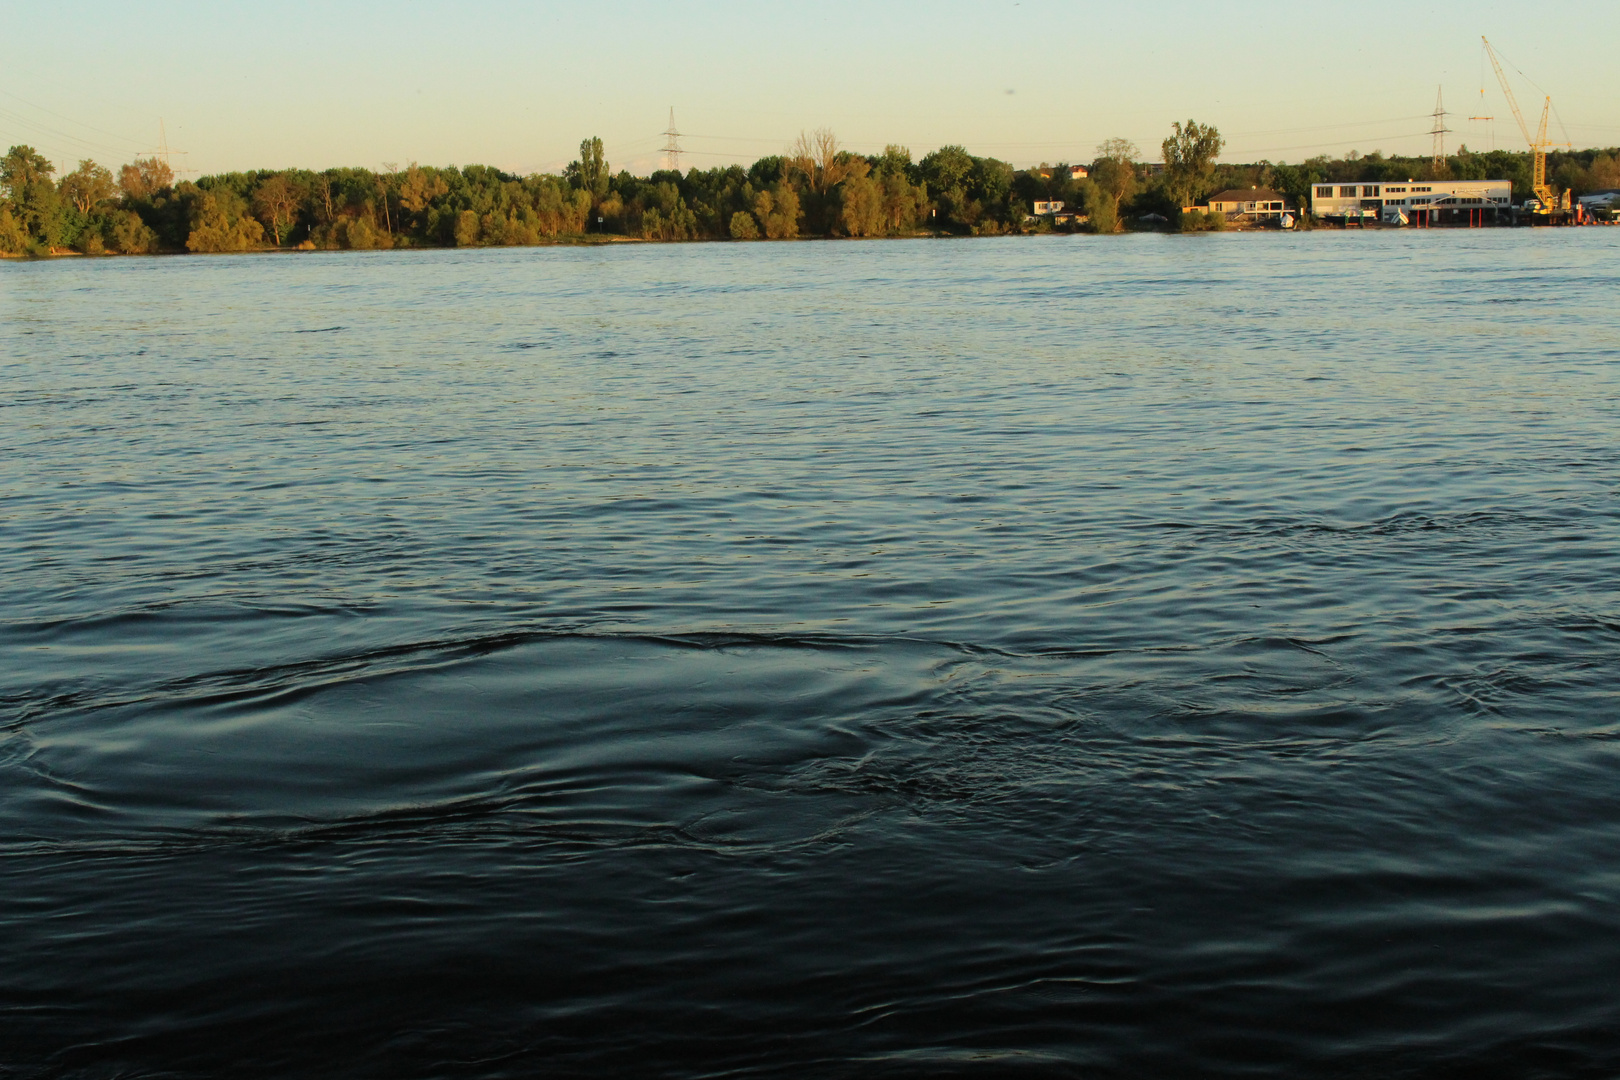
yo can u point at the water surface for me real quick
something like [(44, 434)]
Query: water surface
[(1080, 656)]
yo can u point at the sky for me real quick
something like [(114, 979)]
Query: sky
[(518, 85)]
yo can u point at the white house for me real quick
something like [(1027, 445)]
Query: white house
[(1044, 207), (1429, 201), (1255, 201)]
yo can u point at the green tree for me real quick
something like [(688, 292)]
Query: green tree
[(778, 211), (1189, 160), (21, 169), (130, 235), (946, 168), (743, 226), (1114, 169), (466, 230), (591, 171), (88, 186), (276, 201), (418, 187), (861, 209), (25, 179), (144, 179), (13, 237), (904, 204), (1604, 173), (361, 234), (1102, 209), (220, 222)]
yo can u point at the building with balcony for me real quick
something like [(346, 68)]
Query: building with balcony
[(1254, 202)]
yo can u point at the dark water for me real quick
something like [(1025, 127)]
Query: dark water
[(1153, 657)]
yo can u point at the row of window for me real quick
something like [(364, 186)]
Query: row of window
[(1368, 191)]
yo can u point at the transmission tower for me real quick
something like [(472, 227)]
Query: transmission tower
[(672, 144), (1440, 128), (164, 154)]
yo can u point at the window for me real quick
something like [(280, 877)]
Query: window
[(1369, 191), (1347, 192), (1325, 192), (1423, 189), (1394, 190)]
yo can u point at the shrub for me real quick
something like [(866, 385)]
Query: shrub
[(1201, 221), (130, 235), (13, 240), (213, 230), (1104, 216), (743, 227)]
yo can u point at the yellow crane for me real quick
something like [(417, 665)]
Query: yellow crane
[(1538, 144)]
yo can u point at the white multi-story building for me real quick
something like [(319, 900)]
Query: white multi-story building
[(1429, 201)]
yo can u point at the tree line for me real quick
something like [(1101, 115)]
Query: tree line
[(816, 188)]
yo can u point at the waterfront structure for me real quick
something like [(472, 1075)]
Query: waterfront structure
[(1254, 202), (1428, 202), (1045, 207)]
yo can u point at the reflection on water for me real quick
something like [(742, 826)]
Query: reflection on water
[(1163, 656)]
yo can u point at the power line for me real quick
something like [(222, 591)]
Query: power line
[(34, 125), (71, 120)]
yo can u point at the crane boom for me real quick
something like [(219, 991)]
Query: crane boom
[(1539, 143)]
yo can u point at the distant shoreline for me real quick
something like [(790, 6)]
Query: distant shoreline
[(815, 189), (595, 240)]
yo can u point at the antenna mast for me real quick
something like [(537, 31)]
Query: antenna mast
[(672, 144)]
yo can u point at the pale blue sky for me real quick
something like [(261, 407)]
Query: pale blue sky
[(517, 85)]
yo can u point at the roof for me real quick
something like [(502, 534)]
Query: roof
[(1248, 195)]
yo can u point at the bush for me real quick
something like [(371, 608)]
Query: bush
[(743, 227), (213, 229), (1104, 217), (1201, 221), (360, 235), (13, 240)]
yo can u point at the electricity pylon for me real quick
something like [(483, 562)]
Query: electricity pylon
[(672, 144)]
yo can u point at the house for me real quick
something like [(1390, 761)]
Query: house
[(1255, 202), (1431, 202), (1045, 207), (1078, 172)]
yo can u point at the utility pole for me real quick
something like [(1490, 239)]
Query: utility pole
[(1440, 128), (672, 144)]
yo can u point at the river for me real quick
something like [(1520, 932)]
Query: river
[(1139, 656)]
